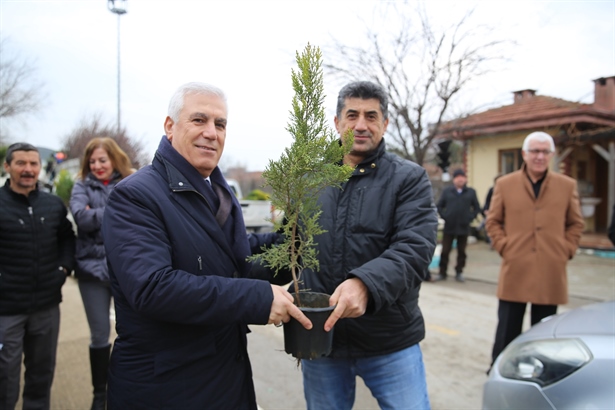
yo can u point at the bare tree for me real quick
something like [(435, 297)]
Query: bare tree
[(422, 68), (21, 92), (74, 144)]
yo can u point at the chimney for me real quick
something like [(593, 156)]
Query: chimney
[(523, 95), (604, 94)]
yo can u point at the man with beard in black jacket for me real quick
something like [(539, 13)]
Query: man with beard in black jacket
[(37, 247), (380, 234), (458, 206)]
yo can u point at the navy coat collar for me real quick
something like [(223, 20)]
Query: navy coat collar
[(183, 177)]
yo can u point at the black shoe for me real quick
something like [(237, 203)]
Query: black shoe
[(100, 401), (459, 277), (438, 278), (99, 364)]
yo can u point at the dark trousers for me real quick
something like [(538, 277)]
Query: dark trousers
[(35, 336), (510, 322), (447, 244)]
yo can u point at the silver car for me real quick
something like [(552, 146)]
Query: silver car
[(565, 362)]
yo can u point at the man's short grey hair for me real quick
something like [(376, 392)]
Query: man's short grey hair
[(364, 90), (540, 137), (177, 100), (19, 146)]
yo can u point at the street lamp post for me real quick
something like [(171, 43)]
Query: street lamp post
[(118, 7)]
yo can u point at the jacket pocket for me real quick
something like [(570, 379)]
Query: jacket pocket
[(173, 360), (404, 311), (369, 210)]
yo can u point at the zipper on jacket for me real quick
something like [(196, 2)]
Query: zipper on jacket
[(200, 260), (35, 241), (34, 230), (176, 190)]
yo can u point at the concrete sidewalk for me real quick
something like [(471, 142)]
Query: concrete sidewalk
[(460, 321)]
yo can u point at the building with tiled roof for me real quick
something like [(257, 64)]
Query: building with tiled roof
[(584, 135)]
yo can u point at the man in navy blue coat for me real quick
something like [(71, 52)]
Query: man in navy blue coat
[(184, 294), (458, 206)]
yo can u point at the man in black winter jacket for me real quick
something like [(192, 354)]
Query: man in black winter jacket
[(458, 206), (37, 247), (380, 235)]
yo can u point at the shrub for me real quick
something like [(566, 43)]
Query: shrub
[(258, 195), (312, 163), (64, 186)]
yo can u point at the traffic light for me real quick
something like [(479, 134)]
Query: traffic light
[(444, 155), (59, 156)]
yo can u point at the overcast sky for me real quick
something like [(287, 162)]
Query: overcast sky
[(247, 48)]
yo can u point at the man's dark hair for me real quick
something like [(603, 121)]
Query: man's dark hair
[(364, 90), (18, 146)]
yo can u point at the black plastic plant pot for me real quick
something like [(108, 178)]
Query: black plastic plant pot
[(314, 343)]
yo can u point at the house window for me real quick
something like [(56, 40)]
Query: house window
[(510, 160)]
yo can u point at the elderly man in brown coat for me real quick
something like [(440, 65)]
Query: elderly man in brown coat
[(535, 224)]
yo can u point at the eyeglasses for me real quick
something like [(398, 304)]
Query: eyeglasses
[(544, 152)]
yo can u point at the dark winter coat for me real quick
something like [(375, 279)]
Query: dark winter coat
[(487, 201), (36, 239), (458, 210), (183, 296), (90, 253), (381, 228)]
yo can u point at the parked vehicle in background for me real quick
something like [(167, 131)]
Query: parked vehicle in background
[(257, 215), (567, 361)]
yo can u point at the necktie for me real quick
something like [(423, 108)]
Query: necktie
[(225, 203)]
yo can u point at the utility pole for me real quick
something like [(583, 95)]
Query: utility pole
[(118, 7)]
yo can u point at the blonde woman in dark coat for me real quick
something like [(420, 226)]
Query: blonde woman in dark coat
[(103, 165)]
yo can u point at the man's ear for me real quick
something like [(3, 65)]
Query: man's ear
[(336, 122), (168, 127), (386, 124)]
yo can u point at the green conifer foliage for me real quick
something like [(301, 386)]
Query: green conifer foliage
[(312, 163), (64, 186)]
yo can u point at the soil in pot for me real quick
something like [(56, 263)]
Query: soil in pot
[(310, 344)]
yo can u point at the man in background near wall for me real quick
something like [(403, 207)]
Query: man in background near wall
[(37, 247), (535, 224), (486, 211), (458, 206)]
